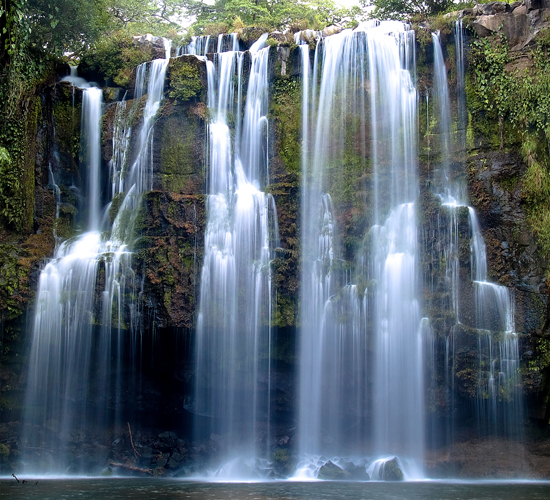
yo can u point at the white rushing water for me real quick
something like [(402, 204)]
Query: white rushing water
[(206, 44), (365, 349), (236, 296), (68, 350), (365, 88)]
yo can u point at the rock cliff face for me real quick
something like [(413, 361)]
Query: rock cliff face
[(170, 245)]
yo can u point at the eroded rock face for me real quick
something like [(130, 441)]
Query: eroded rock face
[(169, 257), (518, 22)]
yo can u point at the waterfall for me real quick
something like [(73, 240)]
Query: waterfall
[(198, 46), (79, 330), (498, 404), (60, 358), (370, 358), (91, 109), (442, 110), (460, 80), (202, 45), (499, 400), (362, 74), (234, 321)]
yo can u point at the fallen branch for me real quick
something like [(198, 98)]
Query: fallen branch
[(132, 468), (23, 481), (136, 453)]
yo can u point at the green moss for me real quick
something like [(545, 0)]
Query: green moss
[(12, 277), (67, 126), (185, 80), (116, 202), (283, 462), (115, 57), (511, 108), (285, 312), (135, 113), (286, 108), (178, 157)]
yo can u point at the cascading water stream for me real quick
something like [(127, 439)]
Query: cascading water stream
[(202, 45), (334, 398), (498, 399), (234, 321), (442, 109), (71, 361), (62, 332)]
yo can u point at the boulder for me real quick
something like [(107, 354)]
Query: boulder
[(515, 27), (392, 471), (332, 472), (331, 30)]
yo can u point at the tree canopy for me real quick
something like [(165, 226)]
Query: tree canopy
[(272, 14), (404, 9)]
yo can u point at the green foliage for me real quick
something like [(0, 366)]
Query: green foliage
[(116, 56), (146, 16), (492, 89), (10, 303), (514, 107), (271, 14), (405, 9), (10, 184), (185, 81), (64, 25), (287, 97)]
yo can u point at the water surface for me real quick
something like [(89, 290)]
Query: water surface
[(55, 489)]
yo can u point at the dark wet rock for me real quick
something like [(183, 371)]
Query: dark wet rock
[(170, 254), (332, 472), (391, 471)]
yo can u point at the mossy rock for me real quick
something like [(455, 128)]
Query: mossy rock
[(392, 471), (283, 463), (331, 472), (184, 77), (113, 59)]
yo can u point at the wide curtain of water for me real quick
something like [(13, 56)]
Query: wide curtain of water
[(234, 319), (360, 94)]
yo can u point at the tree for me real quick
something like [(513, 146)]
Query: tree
[(141, 16), (404, 9), (58, 26), (271, 14)]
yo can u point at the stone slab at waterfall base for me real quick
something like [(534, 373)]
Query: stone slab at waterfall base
[(491, 458)]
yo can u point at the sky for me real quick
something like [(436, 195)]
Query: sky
[(346, 3)]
